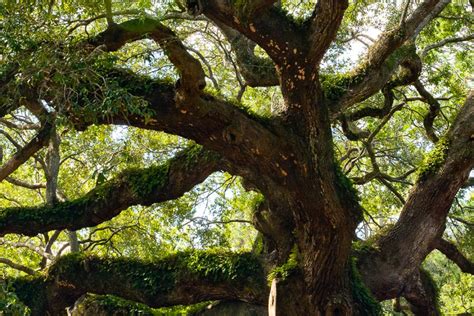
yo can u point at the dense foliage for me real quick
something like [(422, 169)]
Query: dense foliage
[(83, 89)]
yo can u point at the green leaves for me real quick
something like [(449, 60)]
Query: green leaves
[(434, 160), (10, 304)]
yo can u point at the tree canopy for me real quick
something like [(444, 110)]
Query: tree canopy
[(307, 157)]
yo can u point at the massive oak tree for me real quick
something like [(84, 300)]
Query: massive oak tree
[(308, 218)]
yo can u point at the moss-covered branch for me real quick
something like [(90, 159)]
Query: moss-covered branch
[(131, 187), (423, 217), (391, 50), (192, 74), (247, 141), (184, 278)]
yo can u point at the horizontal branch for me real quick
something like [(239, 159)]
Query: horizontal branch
[(248, 142), (180, 279), (131, 187), (446, 41), (24, 184)]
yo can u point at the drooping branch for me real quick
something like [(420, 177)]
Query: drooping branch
[(132, 187), (24, 184), (423, 217), (17, 266), (453, 254), (446, 41), (184, 278), (385, 55), (24, 153)]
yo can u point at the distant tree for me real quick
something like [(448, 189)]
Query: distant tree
[(263, 90)]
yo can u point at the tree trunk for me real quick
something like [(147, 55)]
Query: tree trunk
[(324, 213)]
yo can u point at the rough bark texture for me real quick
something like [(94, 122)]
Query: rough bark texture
[(184, 278), (310, 213)]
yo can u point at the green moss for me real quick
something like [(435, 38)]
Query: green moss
[(430, 286), (243, 8), (161, 276), (297, 21), (399, 54), (143, 182), (112, 305), (143, 25), (434, 160), (362, 248), (195, 153), (180, 310), (64, 212), (344, 183), (285, 270), (258, 246), (336, 85), (347, 193), (32, 292), (365, 303)]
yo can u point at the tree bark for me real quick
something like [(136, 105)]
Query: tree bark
[(310, 212)]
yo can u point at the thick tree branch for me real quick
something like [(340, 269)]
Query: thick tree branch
[(184, 278), (325, 22), (132, 187), (420, 292), (215, 124), (24, 184), (264, 25), (423, 217), (247, 142), (117, 35), (385, 55), (23, 154), (257, 71), (453, 254)]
